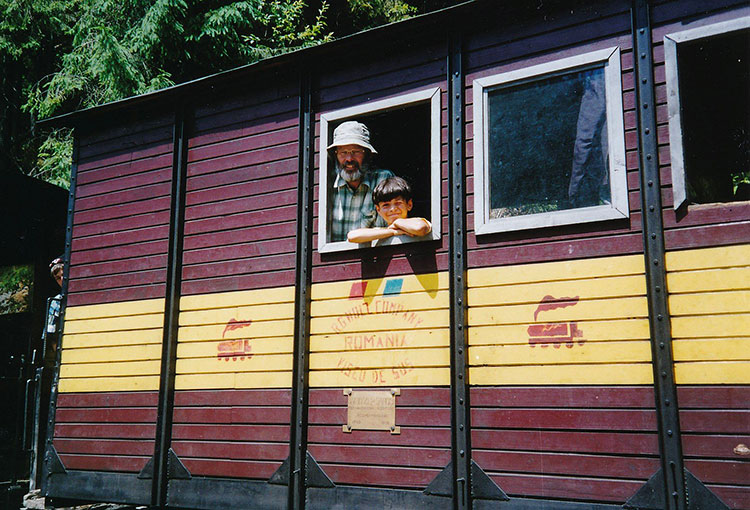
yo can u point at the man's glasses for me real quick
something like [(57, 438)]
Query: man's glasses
[(352, 153)]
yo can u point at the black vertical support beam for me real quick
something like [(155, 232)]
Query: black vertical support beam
[(48, 455), (171, 312), (656, 280), (300, 386), (460, 442)]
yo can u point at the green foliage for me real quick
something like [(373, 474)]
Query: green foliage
[(372, 13), (15, 288), (55, 155), (63, 55), (32, 33)]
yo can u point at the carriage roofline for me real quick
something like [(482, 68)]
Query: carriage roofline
[(414, 25)]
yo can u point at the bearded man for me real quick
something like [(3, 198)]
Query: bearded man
[(352, 205)]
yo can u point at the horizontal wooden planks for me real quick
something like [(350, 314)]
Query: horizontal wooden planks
[(241, 196), (695, 225), (489, 53), (715, 422), (237, 339), (112, 347), (584, 443), (232, 433), (416, 69), (574, 322), (380, 332), (122, 201), (709, 304), (411, 458), (112, 431)]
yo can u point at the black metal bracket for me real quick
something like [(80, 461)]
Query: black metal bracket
[(672, 487), (299, 459), (482, 486), (50, 452), (176, 470), (163, 453), (651, 496), (460, 426), (314, 474), (53, 461), (669, 488)]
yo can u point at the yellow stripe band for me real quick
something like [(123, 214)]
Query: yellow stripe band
[(570, 322), (381, 332), (238, 339), (112, 347), (709, 304)]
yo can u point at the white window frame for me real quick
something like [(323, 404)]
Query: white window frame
[(609, 59), (431, 95), (671, 41)]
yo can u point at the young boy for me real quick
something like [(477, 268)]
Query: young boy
[(392, 199)]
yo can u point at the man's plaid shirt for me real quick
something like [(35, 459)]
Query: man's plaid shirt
[(354, 208)]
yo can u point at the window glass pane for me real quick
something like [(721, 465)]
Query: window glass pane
[(547, 145), (715, 90), (16, 284)]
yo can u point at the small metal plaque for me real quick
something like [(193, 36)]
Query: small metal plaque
[(371, 410)]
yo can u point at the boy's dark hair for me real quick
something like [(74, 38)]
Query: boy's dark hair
[(56, 265), (391, 188)]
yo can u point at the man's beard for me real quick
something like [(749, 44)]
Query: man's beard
[(352, 174)]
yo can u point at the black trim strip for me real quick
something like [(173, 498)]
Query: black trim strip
[(460, 438), (303, 281), (50, 454), (665, 389), (213, 493), (365, 498), (96, 485), (162, 446), (540, 504)]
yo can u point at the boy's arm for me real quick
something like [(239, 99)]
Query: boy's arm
[(415, 227), (365, 235)]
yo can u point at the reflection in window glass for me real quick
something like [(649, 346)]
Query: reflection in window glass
[(548, 145), (16, 284)]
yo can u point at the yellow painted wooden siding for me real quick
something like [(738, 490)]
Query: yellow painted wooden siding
[(112, 347), (709, 305), (236, 340), (572, 322), (381, 332)]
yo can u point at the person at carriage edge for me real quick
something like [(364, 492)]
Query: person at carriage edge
[(352, 205), (392, 198), (53, 315), (52, 326)]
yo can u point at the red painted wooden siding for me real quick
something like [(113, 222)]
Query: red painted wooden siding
[(240, 217), (590, 443), (105, 431), (410, 459), (121, 218), (232, 433)]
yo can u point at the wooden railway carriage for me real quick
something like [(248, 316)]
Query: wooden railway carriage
[(540, 349)]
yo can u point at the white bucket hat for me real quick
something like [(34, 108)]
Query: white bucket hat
[(352, 132)]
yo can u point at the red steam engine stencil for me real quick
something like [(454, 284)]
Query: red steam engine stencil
[(234, 349), (555, 333)]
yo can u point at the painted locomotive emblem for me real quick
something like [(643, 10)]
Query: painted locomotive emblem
[(555, 333), (234, 349)]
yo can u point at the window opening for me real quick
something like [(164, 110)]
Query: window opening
[(714, 90), (551, 146), (405, 133)]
